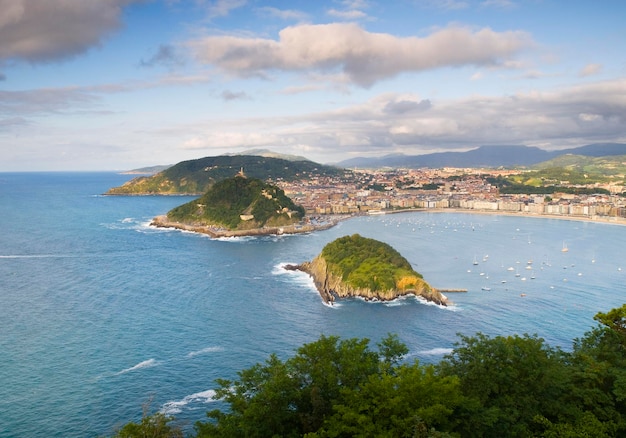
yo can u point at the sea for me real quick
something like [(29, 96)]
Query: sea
[(103, 317)]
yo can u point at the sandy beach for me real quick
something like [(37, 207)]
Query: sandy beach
[(614, 220)]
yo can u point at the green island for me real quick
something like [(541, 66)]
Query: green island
[(237, 206), (356, 266), (502, 386)]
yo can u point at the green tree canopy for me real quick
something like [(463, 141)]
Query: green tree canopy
[(513, 386)]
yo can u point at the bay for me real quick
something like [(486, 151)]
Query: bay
[(100, 313)]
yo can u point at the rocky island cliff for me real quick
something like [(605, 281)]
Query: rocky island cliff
[(355, 266)]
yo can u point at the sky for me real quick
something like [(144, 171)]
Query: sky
[(91, 85)]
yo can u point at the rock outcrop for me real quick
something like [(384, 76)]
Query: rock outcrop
[(331, 287)]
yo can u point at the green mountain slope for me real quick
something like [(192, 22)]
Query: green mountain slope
[(596, 169), (196, 176), (239, 203)]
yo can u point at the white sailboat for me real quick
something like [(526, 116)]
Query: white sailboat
[(564, 249)]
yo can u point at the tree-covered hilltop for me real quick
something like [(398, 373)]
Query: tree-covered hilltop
[(240, 203), (356, 266), (368, 263), (196, 176), (503, 386)]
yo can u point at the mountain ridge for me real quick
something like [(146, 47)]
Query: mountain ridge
[(197, 176), (484, 156)]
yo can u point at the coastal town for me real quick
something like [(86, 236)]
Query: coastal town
[(379, 192)]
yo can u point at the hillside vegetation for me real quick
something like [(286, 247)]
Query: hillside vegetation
[(196, 176), (364, 263), (581, 169), (240, 203), (575, 174)]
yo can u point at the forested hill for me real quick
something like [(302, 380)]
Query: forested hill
[(239, 203), (356, 266), (196, 176)]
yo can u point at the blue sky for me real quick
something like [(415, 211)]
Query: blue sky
[(121, 84)]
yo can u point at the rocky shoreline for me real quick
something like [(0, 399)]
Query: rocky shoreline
[(215, 231), (331, 287)]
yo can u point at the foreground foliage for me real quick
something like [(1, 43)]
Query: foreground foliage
[(514, 386)]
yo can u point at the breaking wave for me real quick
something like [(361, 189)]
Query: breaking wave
[(204, 351), (145, 364), (437, 351), (176, 407)]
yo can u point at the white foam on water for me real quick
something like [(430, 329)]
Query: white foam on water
[(449, 307), (437, 351), (400, 301), (204, 351), (235, 239), (176, 407), (279, 269), (145, 364), (296, 276)]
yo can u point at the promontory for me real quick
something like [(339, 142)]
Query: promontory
[(356, 266), (239, 206)]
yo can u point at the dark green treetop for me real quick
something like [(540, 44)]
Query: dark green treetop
[(362, 262)]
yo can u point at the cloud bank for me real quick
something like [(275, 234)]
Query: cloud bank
[(391, 123), (364, 57), (46, 30)]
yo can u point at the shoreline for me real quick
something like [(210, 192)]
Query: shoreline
[(217, 232)]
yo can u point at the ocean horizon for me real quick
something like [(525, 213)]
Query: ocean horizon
[(102, 313)]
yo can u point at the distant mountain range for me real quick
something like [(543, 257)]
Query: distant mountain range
[(484, 156)]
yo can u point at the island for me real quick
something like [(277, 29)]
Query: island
[(356, 266), (241, 206)]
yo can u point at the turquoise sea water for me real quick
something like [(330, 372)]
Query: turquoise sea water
[(99, 313)]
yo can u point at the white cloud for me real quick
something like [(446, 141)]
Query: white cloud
[(221, 8), (45, 30), (352, 14), (363, 56), (283, 14), (411, 124), (229, 139), (585, 117), (45, 101), (590, 69)]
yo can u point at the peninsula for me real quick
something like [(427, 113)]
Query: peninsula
[(356, 266)]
